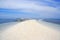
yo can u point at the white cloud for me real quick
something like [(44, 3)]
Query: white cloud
[(29, 6)]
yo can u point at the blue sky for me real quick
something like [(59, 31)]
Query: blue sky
[(29, 8)]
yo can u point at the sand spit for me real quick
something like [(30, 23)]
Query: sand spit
[(30, 30)]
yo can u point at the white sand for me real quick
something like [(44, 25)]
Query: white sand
[(30, 30)]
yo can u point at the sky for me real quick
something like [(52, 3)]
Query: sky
[(30, 9)]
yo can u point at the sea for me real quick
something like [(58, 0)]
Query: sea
[(55, 21), (7, 20)]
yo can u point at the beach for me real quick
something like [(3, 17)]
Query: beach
[(31, 30)]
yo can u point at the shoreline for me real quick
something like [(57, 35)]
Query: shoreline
[(30, 30)]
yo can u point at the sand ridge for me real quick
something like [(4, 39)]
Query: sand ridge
[(30, 30)]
